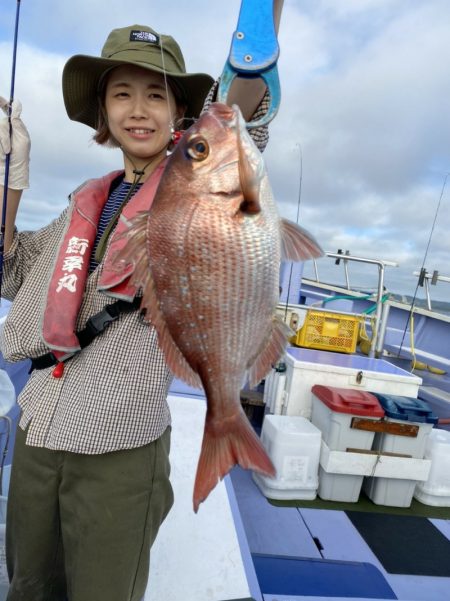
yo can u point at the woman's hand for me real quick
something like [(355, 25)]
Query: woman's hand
[(18, 145)]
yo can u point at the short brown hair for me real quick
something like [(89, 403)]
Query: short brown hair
[(102, 134)]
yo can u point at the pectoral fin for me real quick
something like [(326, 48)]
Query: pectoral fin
[(297, 243), (271, 352)]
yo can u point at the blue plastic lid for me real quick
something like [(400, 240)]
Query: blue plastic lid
[(406, 408)]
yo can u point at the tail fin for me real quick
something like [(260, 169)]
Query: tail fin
[(238, 444)]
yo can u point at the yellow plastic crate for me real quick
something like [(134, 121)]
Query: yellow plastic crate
[(329, 331)]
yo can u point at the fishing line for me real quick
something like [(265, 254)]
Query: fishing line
[(296, 221), (410, 315), (7, 156), (172, 125)]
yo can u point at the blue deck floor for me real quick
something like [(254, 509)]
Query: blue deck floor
[(327, 536)]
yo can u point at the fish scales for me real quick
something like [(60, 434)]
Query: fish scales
[(222, 296), (216, 263), (210, 280)]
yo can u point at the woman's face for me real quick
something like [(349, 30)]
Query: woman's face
[(139, 108)]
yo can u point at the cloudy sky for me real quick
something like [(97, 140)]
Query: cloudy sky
[(364, 122)]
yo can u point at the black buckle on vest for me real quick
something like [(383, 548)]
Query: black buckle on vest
[(95, 325)]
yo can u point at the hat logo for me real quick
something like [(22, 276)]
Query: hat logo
[(143, 36)]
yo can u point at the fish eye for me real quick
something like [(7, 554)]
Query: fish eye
[(197, 148)]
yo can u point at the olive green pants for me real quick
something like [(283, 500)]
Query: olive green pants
[(80, 527)]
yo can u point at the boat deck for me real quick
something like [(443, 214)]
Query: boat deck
[(313, 534)]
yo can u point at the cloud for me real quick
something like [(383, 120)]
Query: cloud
[(374, 132), (363, 124)]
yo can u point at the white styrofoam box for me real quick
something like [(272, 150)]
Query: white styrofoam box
[(333, 410), (274, 386), (436, 489), (398, 492), (372, 464), (306, 367), (293, 445), (336, 426), (405, 411), (391, 492), (406, 445), (339, 487)]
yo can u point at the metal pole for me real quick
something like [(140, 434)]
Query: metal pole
[(7, 157), (376, 332)]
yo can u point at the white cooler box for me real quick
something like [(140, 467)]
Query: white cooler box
[(293, 445), (289, 392), (333, 410), (436, 490), (403, 411)]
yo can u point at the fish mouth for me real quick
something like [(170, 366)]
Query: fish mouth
[(226, 116), (251, 167), (223, 112)]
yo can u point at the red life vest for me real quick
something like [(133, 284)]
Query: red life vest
[(67, 282)]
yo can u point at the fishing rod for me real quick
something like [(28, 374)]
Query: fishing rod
[(422, 270), (296, 221), (8, 155)]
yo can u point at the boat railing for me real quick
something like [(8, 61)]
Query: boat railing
[(381, 266), (427, 278)]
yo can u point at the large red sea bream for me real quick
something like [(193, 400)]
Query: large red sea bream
[(207, 256)]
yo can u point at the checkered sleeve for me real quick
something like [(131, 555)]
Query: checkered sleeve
[(260, 135), (22, 255)]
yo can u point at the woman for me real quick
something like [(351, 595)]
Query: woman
[(90, 480)]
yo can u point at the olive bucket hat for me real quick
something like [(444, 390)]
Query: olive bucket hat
[(136, 45)]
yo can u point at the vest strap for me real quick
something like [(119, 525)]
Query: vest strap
[(95, 325)]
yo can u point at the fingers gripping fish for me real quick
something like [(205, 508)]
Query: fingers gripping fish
[(207, 257)]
